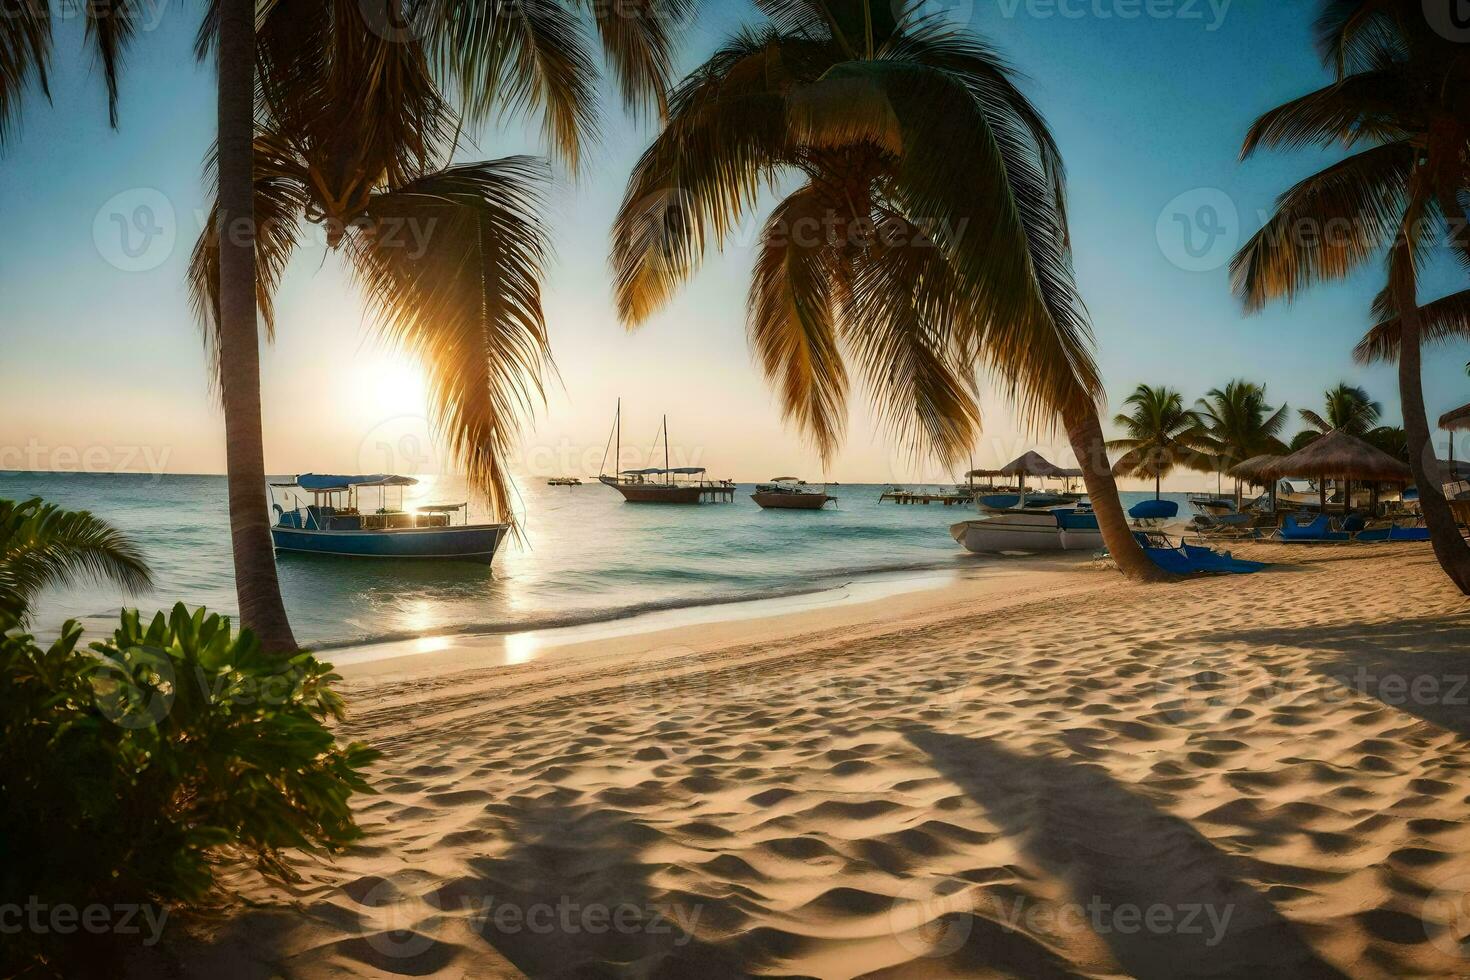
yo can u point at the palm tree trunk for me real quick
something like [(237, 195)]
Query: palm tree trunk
[(256, 586), (1085, 433), (1444, 533), (1158, 493)]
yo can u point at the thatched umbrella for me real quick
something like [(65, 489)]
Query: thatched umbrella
[(1254, 471), (1340, 456), (1458, 418), (1029, 464)]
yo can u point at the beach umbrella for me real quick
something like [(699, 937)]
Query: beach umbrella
[(1340, 456), (1254, 471)]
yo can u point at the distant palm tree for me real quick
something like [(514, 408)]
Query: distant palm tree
[(1240, 424), (42, 545), (1161, 434), (925, 235), (1398, 104), (1348, 407)]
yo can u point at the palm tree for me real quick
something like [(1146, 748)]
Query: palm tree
[(926, 238), (1240, 424), (42, 545), (1161, 435), (522, 54), (1397, 103), (1349, 407)]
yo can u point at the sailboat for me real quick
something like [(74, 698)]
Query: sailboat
[(661, 486)]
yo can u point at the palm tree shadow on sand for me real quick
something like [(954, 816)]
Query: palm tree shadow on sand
[(1419, 666), (1116, 851), (572, 897)]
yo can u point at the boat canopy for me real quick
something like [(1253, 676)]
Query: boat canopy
[(320, 482), (657, 471), (648, 472)]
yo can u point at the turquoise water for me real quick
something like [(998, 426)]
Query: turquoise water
[(587, 555)]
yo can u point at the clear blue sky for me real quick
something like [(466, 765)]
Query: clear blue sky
[(1146, 109)]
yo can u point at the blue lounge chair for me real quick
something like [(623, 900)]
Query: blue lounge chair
[(1188, 559), (1319, 530), (1154, 510)]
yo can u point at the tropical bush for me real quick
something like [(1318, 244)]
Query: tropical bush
[(132, 771)]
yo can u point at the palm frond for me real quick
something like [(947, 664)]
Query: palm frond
[(725, 140), (1447, 318), (25, 53), (452, 265), (111, 26), (637, 43), (1326, 226), (42, 545), (517, 55), (792, 323), (281, 199), (1365, 107)]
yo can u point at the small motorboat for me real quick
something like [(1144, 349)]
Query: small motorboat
[(564, 481), (1073, 529), (1005, 503), (789, 493), (333, 523)]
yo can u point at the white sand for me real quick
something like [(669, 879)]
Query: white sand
[(1048, 772)]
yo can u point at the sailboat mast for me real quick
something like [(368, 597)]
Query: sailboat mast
[(618, 452), (668, 477)]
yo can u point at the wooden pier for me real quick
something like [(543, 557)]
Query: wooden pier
[(917, 497), (720, 493)]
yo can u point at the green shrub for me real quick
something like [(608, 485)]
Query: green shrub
[(132, 771)]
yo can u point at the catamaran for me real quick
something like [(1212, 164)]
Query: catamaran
[(644, 486), (333, 522)]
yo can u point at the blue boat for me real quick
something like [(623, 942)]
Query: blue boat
[(332, 522)]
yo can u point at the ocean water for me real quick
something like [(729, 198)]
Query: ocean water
[(586, 556)]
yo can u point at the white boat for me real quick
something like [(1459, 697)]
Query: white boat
[(1057, 530)]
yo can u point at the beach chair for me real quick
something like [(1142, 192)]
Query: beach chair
[(1320, 529), (1188, 559)]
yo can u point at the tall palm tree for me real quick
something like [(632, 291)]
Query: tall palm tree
[(42, 545), (926, 238), (1348, 407), (1161, 435), (1398, 103), (517, 54), (1240, 424)]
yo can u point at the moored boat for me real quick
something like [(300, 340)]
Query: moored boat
[(640, 487), (788, 493), (1055, 530), (333, 523)]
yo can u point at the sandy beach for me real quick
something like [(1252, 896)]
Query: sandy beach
[(1047, 772)]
